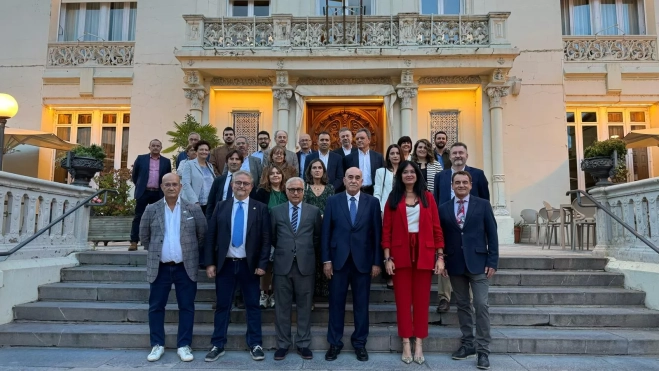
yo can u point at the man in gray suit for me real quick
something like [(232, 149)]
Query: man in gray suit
[(281, 138), (172, 231), (295, 235)]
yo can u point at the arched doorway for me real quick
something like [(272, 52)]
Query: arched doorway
[(333, 117)]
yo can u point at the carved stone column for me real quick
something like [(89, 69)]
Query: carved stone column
[(283, 92), (196, 93), (406, 90)]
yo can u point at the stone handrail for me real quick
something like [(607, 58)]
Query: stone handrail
[(610, 48), (404, 29), (29, 204), (636, 204), (96, 53)]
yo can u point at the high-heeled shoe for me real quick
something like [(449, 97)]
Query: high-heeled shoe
[(418, 359), (407, 360)]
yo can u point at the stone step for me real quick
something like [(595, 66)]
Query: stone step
[(499, 295), (379, 314), (138, 258), (536, 340), (505, 277)]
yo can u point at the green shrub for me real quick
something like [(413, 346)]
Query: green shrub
[(117, 204)]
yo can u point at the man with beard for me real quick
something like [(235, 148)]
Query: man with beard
[(444, 192), (345, 136), (218, 155), (442, 154), (263, 139), (250, 164)]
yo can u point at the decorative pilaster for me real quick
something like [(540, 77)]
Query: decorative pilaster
[(406, 90), (496, 93), (283, 92), (195, 92)]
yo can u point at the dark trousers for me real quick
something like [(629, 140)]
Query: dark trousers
[(186, 290), (480, 286), (234, 272), (147, 198), (286, 287), (338, 291)]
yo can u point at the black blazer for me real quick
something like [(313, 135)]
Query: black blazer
[(215, 195), (257, 236), (334, 168), (263, 196), (339, 151), (352, 160), (300, 170), (479, 188), (140, 174), (476, 245)]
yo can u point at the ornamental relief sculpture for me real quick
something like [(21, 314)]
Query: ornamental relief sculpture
[(449, 80), (496, 93), (196, 97), (239, 81), (283, 96), (406, 94), (610, 49), (91, 55), (344, 81)]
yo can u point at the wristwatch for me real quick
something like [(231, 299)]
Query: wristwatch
[(387, 259)]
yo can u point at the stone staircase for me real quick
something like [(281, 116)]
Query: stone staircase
[(541, 305)]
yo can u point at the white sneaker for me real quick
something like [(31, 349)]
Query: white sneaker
[(156, 353), (185, 354), (263, 300), (271, 301)]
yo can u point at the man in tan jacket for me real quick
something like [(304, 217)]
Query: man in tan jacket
[(218, 155)]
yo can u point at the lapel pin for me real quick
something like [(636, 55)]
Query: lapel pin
[(254, 208)]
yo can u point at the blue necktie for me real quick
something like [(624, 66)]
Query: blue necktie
[(238, 226), (353, 210), (294, 219)]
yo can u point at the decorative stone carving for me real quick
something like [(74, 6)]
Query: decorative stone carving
[(449, 80), (237, 81), (282, 95), (193, 33), (344, 81), (610, 48), (406, 94), (407, 77), (282, 78), (496, 93), (192, 78), (499, 178), (500, 210), (499, 75), (196, 97), (91, 54), (239, 33)]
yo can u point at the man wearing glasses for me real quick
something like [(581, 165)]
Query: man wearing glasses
[(237, 250), (295, 234)]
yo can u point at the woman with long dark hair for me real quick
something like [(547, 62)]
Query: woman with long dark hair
[(424, 158), (413, 246)]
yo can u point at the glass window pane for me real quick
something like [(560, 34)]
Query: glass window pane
[(124, 148), (126, 119), (589, 136), (615, 116), (572, 156), (565, 16), (588, 116), (108, 141), (630, 17), (429, 7), (609, 18), (85, 119), (354, 5), (581, 20), (64, 119), (116, 22), (69, 29), (109, 118), (261, 8), (92, 18), (132, 17), (637, 117), (239, 8), (616, 131), (451, 6), (60, 175), (569, 116), (640, 158), (84, 136)]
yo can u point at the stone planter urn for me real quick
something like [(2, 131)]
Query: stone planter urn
[(82, 169), (600, 168)]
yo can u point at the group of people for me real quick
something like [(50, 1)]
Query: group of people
[(276, 223)]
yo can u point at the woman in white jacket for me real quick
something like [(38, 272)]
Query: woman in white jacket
[(384, 177)]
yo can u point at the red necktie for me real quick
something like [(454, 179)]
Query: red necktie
[(460, 216)]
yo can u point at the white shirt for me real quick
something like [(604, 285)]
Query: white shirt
[(356, 199), (413, 217), (456, 206), (171, 243), (239, 252), (365, 167), (324, 158), (347, 151), (453, 172), (226, 185)]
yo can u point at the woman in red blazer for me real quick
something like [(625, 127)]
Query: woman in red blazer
[(413, 249)]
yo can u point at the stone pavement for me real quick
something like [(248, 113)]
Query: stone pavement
[(39, 359)]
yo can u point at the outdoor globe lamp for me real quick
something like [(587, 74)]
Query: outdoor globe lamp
[(8, 109)]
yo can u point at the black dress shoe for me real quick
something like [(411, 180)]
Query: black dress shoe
[(305, 353), (483, 361), (332, 353), (280, 354), (444, 306), (463, 353), (361, 353)]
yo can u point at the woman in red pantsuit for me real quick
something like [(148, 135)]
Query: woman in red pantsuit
[(413, 250)]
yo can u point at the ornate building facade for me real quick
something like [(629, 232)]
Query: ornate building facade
[(527, 85)]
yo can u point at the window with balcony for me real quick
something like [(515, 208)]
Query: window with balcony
[(109, 129), (441, 6), (603, 17), (349, 7), (249, 8), (97, 21)]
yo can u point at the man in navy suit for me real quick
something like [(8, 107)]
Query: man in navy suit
[(365, 160), (147, 174), (345, 137), (472, 258), (443, 192), (351, 253), (237, 250), (304, 153), (333, 161)]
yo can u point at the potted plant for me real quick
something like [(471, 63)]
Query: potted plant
[(604, 160), (518, 231), (179, 137), (113, 220), (83, 162)]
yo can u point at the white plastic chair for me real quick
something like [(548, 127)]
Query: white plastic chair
[(530, 219)]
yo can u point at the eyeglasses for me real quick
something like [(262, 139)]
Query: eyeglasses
[(170, 185), (295, 190), (240, 184)]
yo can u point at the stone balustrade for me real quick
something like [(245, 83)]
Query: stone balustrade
[(637, 204), (404, 29), (101, 53), (29, 204), (610, 48)]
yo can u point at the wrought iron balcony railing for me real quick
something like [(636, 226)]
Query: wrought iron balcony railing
[(95, 53), (610, 48)]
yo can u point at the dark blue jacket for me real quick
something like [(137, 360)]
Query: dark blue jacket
[(442, 191), (181, 156), (341, 239), (352, 160), (300, 170), (334, 168), (476, 245), (141, 173)]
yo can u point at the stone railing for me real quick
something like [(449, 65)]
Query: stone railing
[(636, 203), (610, 48), (30, 204), (104, 53), (404, 29)]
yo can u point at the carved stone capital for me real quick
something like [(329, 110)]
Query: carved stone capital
[(196, 97), (283, 95), (192, 78), (406, 94), (496, 93)]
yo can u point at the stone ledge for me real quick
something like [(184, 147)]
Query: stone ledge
[(639, 276)]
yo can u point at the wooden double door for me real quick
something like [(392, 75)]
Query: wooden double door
[(331, 117)]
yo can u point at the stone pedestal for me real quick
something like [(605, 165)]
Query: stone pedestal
[(505, 229)]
